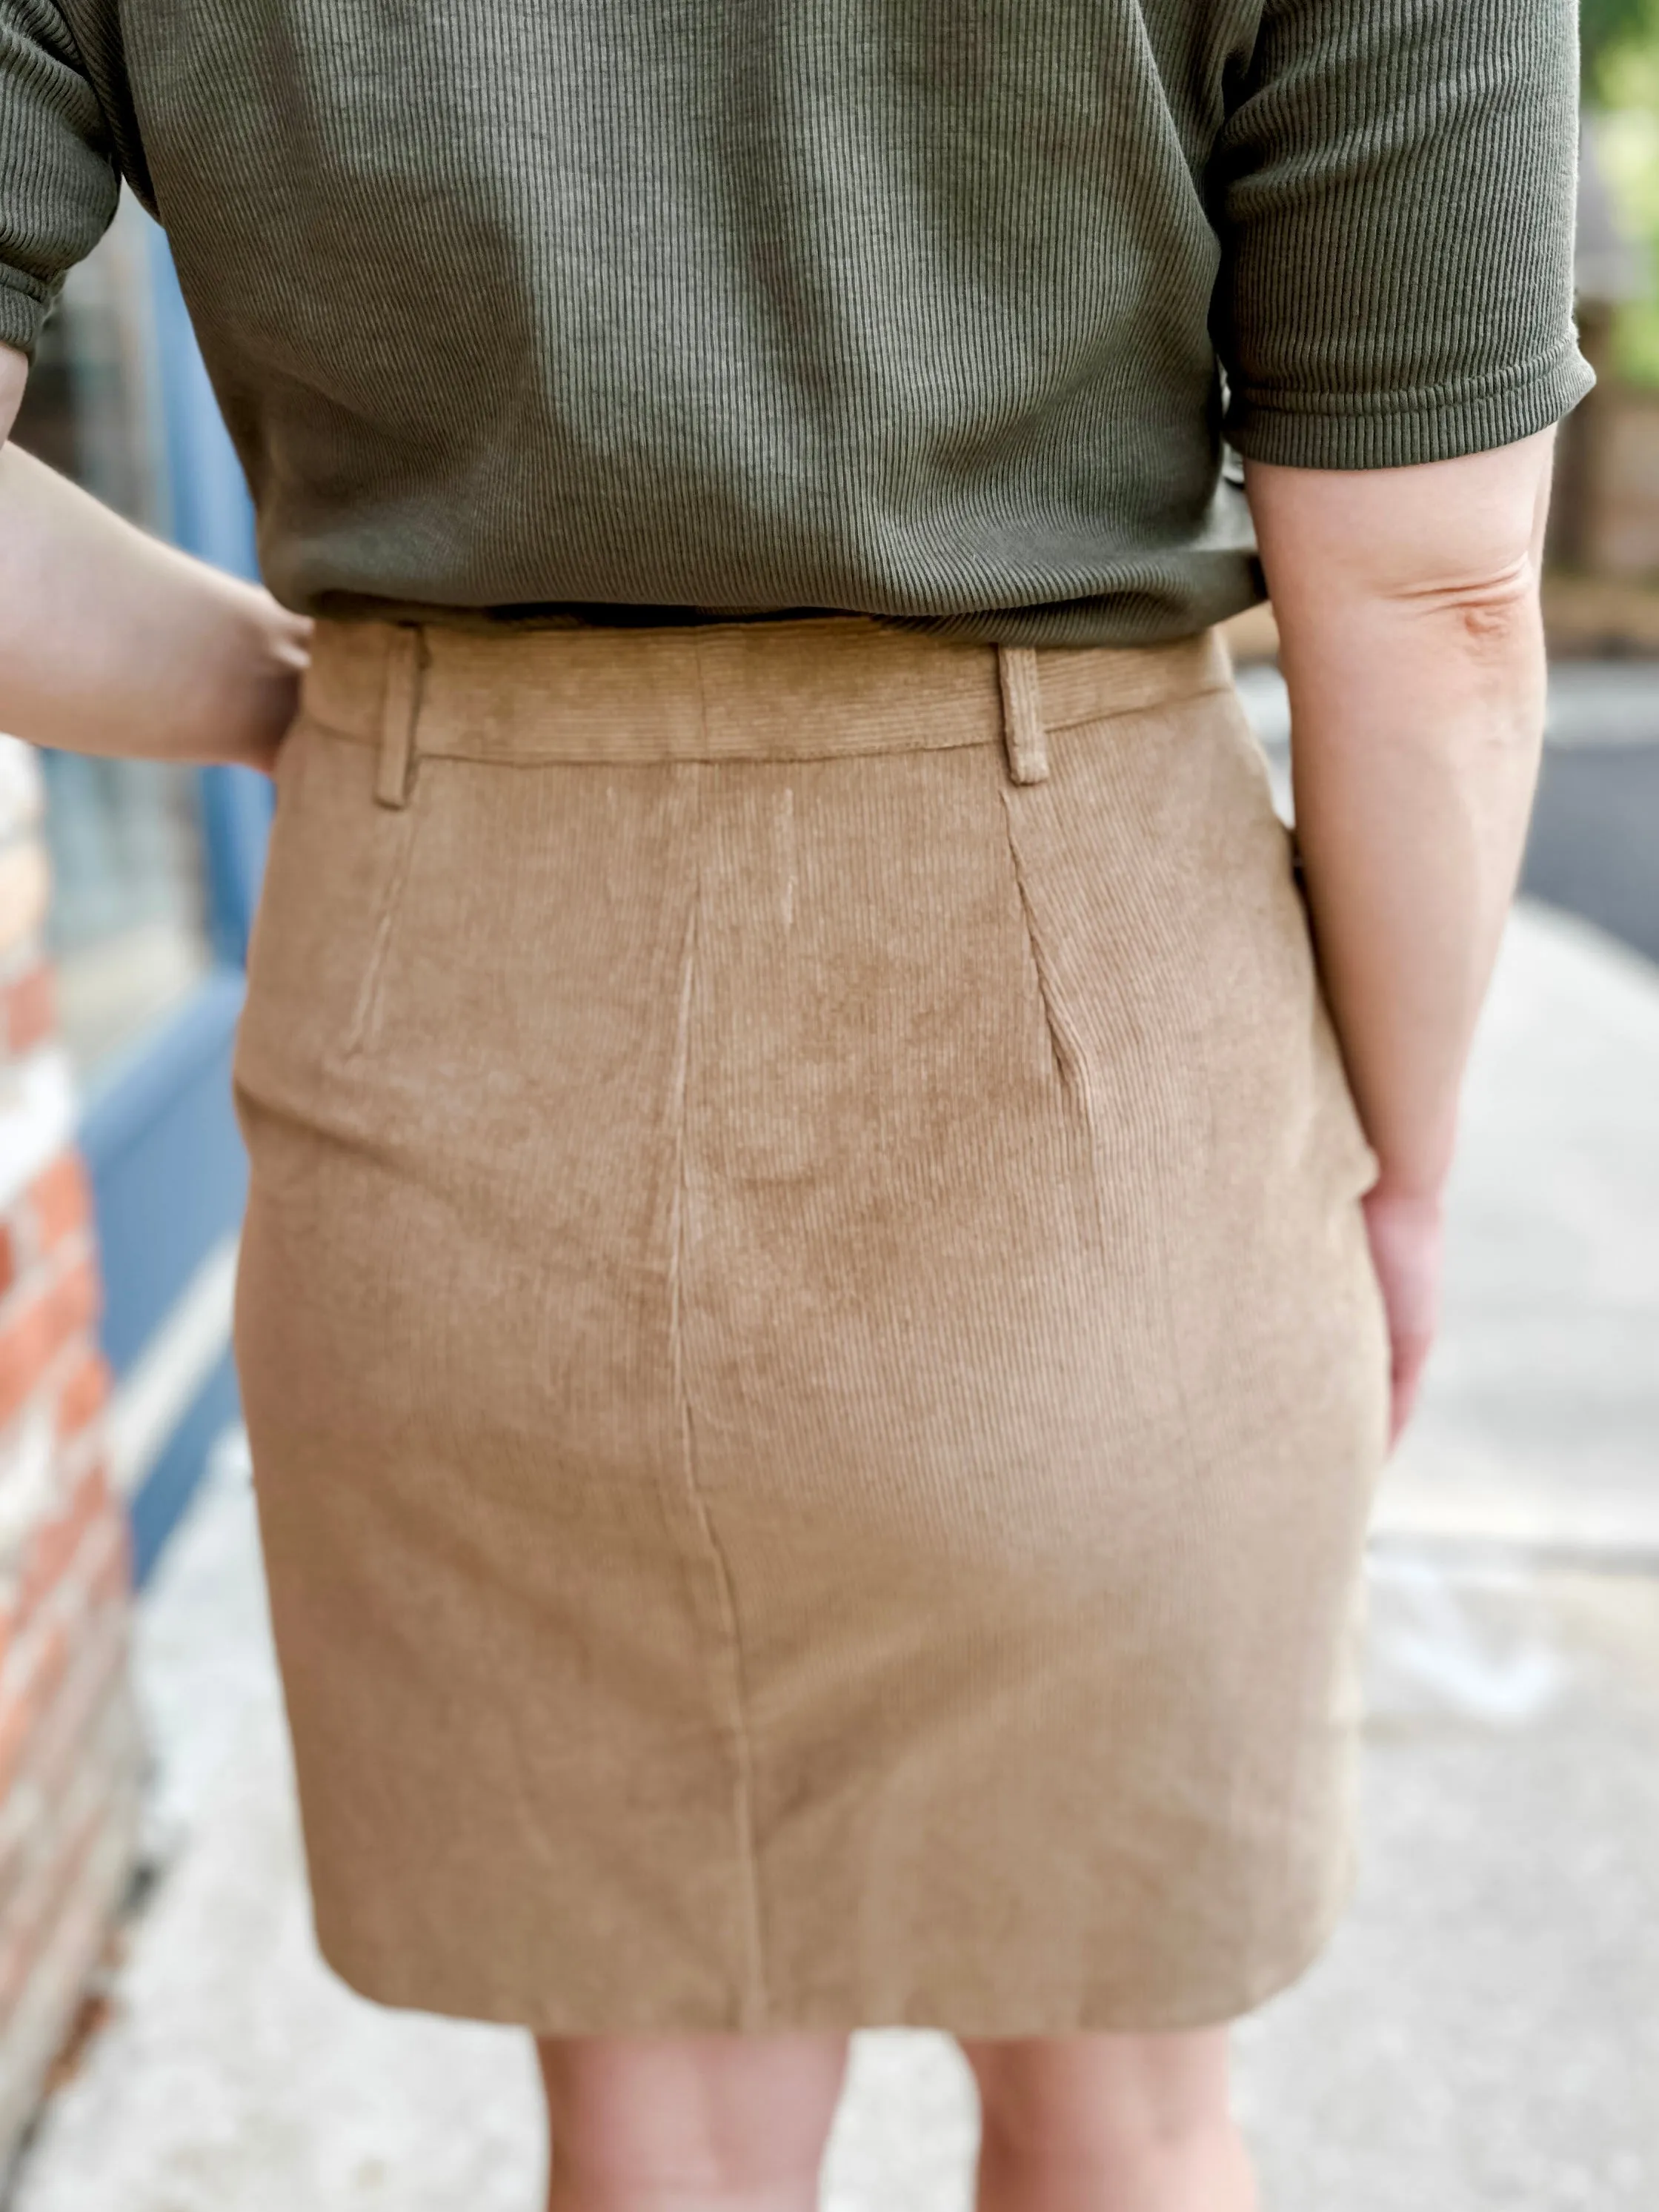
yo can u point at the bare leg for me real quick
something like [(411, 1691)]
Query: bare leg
[(693, 2124), (1109, 2123)]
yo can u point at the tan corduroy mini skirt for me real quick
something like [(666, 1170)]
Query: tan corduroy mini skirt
[(814, 1374)]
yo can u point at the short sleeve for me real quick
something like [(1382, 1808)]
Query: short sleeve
[(1394, 189), (58, 180)]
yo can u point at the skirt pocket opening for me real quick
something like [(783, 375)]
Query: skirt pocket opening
[(1062, 1045), (360, 1029)]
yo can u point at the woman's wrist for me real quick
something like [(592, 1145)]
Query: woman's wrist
[(248, 671), (1414, 1159), (114, 643), (1410, 1193)]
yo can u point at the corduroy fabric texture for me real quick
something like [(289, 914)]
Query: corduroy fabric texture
[(814, 1374), (897, 307)]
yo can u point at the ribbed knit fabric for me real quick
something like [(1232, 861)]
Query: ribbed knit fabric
[(757, 304), (812, 1363)]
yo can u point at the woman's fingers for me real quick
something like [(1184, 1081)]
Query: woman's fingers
[(1407, 1237)]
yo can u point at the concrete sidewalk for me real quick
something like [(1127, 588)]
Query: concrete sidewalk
[(1483, 2032)]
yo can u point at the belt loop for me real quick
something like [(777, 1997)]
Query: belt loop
[(400, 710), (1022, 714)]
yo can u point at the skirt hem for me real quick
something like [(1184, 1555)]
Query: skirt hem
[(1040, 2014)]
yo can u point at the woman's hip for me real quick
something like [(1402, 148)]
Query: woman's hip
[(774, 1043)]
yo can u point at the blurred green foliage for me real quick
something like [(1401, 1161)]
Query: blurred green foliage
[(1621, 79), (1611, 31)]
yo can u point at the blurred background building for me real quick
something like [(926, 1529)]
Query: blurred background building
[(126, 891)]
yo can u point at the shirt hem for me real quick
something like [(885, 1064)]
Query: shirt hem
[(1384, 432), (22, 312)]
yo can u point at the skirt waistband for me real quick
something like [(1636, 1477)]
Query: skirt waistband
[(768, 691)]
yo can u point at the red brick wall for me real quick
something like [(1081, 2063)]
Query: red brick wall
[(68, 1762)]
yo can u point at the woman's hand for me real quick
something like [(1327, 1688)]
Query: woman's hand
[(1407, 1234), (112, 642), (1412, 645)]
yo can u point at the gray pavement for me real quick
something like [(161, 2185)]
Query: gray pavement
[(1483, 2034), (1485, 2031)]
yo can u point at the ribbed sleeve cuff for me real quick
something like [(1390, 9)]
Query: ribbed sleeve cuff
[(23, 312), (1400, 429)]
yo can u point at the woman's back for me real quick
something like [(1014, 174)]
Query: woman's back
[(910, 310)]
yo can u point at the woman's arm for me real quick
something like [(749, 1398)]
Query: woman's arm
[(1413, 645), (112, 642)]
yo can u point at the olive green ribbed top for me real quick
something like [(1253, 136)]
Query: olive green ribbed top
[(930, 309)]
